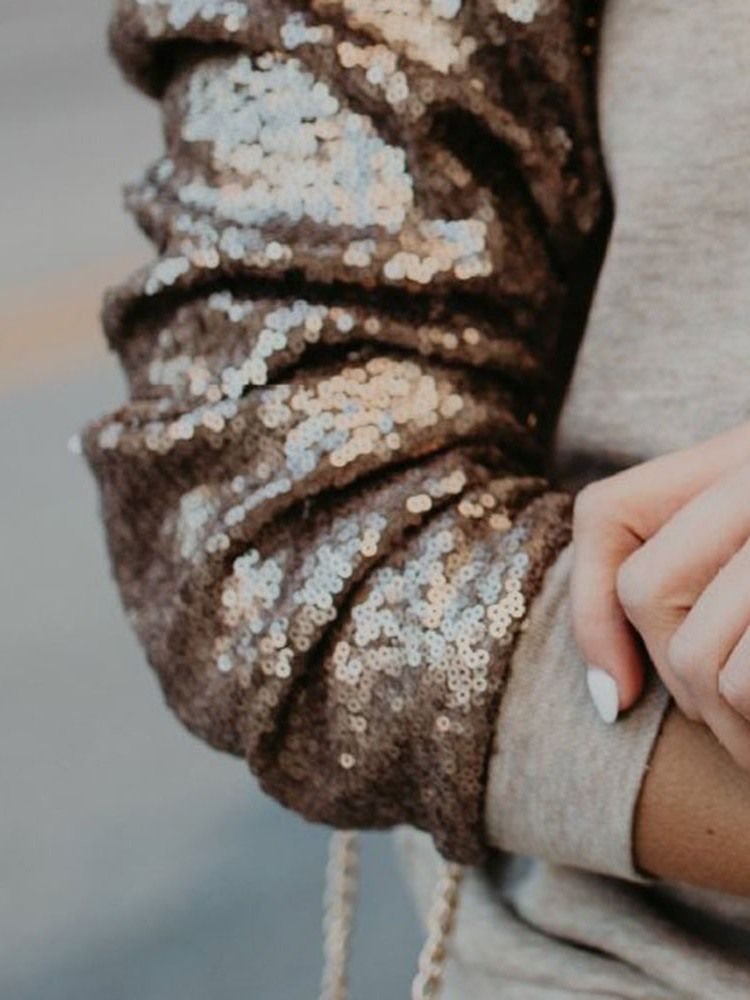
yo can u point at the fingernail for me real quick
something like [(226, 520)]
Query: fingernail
[(603, 691)]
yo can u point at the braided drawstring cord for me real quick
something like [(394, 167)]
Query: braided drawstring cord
[(342, 875)]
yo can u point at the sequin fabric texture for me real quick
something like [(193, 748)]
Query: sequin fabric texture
[(323, 500)]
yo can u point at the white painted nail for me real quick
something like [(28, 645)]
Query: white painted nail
[(603, 691)]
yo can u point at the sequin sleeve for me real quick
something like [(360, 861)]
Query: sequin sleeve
[(325, 499)]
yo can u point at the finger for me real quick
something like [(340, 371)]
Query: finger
[(731, 730), (604, 636), (701, 646), (656, 634), (642, 496), (612, 519), (656, 620), (632, 507), (662, 580), (676, 564), (734, 679)]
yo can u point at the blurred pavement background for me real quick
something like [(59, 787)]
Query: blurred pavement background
[(135, 863)]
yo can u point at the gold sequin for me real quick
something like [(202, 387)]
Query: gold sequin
[(315, 507)]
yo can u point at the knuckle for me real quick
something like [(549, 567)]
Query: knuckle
[(589, 505), (736, 694), (632, 585), (678, 690), (684, 657), (689, 711)]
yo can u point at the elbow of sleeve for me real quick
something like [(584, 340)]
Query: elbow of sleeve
[(356, 660), (393, 720)]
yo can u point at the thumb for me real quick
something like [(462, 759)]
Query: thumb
[(605, 637)]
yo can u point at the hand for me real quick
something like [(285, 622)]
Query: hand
[(662, 559)]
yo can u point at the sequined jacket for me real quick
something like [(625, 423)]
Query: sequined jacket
[(326, 500)]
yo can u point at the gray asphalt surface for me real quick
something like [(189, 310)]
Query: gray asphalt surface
[(135, 863)]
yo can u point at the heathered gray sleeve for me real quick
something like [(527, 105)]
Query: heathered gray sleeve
[(562, 784)]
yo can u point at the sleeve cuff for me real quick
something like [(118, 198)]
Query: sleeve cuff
[(562, 784)]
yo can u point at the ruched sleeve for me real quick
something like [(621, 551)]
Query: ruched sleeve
[(325, 499)]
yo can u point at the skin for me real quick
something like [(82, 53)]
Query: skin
[(661, 577), (661, 580), (693, 811)]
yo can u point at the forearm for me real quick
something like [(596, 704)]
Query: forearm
[(694, 811)]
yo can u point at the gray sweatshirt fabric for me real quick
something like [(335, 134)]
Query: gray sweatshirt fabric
[(563, 913)]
